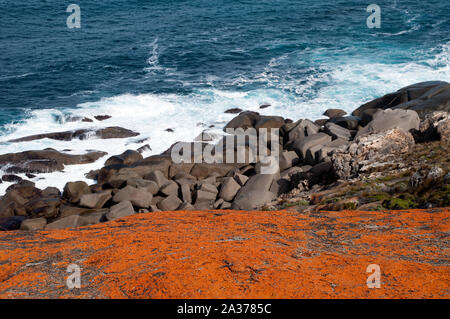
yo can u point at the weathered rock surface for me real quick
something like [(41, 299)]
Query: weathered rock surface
[(66, 222), (149, 186), (229, 189), (369, 149), (45, 161), (331, 113), (74, 190), (102, 117), (92, 218), (97, 200), (288, 159), (10, 223), (120, 210), (435, 126), (300, 129), (13, 203), (171, 202), (269, 122), (421, 97), (337, 131), (133, 259), (126, 158), (47, 207), (171, 188), (233, 111), (137, 197), (385, 120), (33, 224), (255, 193), (203, 170), (348, 122), (139, 169), (301, 146), (186, 194), (244, 120), (104, 133)]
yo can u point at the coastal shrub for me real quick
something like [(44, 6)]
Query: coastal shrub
[(441, 197), (378, 197), (400, 203), (297, 203)]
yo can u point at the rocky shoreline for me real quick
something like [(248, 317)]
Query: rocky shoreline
[(390, 153)]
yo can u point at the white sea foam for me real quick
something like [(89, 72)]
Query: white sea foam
[(345, 85)]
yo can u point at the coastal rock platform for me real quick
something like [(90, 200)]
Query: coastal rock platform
[(235, 254)]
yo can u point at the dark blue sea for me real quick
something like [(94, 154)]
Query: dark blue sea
[(160, 64)]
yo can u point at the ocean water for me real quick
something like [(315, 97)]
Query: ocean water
[(160, 64)]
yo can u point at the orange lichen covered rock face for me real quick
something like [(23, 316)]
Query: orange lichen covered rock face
[(232, 254)]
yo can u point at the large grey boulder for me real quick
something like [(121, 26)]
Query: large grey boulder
[(51, 192), (421, 97), (203, 170), (205, 196), (66, 222), (252, 200), (244, 120), (176, 169), (74, 190), (229, 189), (170, 203), (240, 179), (126, 158), (322, 154), (208, 188), (269, 122), (288, 159), (120, 210), (33, 224), (186, 206), (96, 200), (92, 218), (348, 122), (171, 188), (301, 129), (256, 192), (186, 194), (139, 169), (331, 113), (43, 207), (14, 201), (367, 116), (337, 131), (138, 197), (385, 120), (149, 186), (158, 177), (301, 146)]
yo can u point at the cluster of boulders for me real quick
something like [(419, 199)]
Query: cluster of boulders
[(310, 153)]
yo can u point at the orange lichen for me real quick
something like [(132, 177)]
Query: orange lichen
[(232, 254)]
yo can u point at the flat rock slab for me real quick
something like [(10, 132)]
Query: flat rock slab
[(257, 255), (44, 161), (104, 133)]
